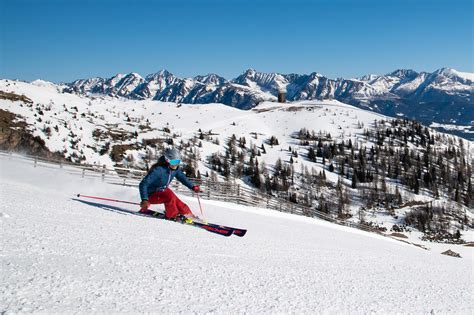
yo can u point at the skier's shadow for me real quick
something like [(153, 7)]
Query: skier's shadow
[(106, 207)]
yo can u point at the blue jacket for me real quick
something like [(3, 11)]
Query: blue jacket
[(159, 179)]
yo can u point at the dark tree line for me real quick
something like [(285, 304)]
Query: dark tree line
[(402, 151)]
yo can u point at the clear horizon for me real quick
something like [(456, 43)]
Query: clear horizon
[(143, 75), (61, 41)]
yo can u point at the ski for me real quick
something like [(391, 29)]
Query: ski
[(213, 228), (236, 231)]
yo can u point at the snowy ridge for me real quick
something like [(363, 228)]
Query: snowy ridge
[(63, 255), (271, 82), (466, 77), (373, 85), (121, 115), (428, 97)]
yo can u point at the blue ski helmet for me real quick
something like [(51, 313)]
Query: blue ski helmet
[(172, 156)]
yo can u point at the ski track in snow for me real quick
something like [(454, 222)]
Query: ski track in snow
[(61, 255)]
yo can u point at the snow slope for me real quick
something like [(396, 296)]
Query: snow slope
[(61, 255), (81, 116)]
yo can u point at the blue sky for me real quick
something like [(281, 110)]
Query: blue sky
[(61, 40)]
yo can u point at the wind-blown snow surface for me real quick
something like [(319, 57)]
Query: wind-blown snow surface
[(61, 255)]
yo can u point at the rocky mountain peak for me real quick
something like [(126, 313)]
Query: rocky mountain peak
[(429, 97)]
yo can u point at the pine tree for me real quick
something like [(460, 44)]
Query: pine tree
[(469, 192), (331, 168), (354, 180), (273, 141), (311, 155), (416, 186), (398, 196), (256, 180)]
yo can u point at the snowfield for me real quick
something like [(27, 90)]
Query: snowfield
[(59, 254), (76, 118)]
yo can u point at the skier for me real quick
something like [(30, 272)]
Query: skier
[(154, 186)]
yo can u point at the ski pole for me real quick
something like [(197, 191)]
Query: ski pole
[(199, 201), (108, 199)]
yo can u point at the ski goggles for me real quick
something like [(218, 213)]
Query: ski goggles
[(174, 162)]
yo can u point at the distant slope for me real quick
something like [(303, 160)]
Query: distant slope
[(80, 127), (444, 96)]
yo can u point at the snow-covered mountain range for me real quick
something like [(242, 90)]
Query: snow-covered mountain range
[(443, 97)]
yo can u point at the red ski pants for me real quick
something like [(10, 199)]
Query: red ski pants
[(173, 205)]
